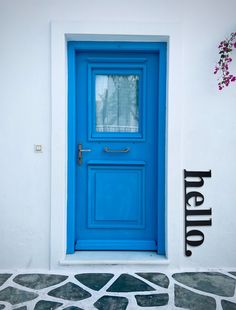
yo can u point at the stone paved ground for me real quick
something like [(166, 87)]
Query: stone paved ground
[(107, 291)]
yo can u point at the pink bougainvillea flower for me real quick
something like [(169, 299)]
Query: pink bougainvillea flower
[(216, 70), (222, 68)]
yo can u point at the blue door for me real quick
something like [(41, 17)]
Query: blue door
[(114, 133)]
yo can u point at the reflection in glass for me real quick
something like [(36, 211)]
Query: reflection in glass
[(117, 103)]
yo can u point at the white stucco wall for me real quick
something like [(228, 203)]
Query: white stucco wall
[(201, 120)]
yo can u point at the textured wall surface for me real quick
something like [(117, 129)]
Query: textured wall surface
[(207, 131)]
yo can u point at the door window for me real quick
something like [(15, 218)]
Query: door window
[(116, 93), (117, 106)]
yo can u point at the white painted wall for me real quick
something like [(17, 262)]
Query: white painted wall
[(201, 120)]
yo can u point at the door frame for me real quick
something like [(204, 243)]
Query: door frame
[(160, 48)]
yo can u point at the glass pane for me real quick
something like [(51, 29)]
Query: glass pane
[(117, 103)]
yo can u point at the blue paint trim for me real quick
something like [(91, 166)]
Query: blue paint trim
[(71, 182), (159, 48), (117, 46), (100, 62), (161, 188), (117, 163)]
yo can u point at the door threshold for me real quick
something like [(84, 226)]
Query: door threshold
[(114, 258)]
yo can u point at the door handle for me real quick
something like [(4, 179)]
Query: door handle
[(80, 153), (108, 150)]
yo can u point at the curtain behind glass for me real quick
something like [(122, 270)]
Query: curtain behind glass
[(117, 103)]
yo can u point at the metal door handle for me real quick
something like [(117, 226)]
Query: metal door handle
[(108, 150), (80, 153)]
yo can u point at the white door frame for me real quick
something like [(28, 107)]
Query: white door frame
[(61, 32)]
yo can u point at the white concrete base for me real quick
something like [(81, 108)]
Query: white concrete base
[(111, 258)]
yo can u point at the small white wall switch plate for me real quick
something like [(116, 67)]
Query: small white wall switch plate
[(38, 148)]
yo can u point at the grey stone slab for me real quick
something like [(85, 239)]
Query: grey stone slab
[(187, 299), (47, 305), (128, 283), (152, 300), (70, 291), (72, 308), (228, 305), (210, 282), (4, 277), (15, 296), (95, 281), (157, 278), (2, 307), (39, 281), (111, 303), (233, 273)]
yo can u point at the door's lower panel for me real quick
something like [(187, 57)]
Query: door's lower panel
[(116, 196), (118, 213)]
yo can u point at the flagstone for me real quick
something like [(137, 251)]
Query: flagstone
[(128, 283), (187, 299), (15, 296), (72, 308), (111, 303), (233, 273), (47, 305), (228, 305), (39, 281), (157, 278), (152, 300), (4, 277), (94, 281), (210, 282), (70, 291)]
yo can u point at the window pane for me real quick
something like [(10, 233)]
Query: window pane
[(117, 103)]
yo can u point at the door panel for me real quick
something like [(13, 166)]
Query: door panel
[(120, 186), (116, 123)]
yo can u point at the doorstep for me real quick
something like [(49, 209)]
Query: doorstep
[(114, 258)]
